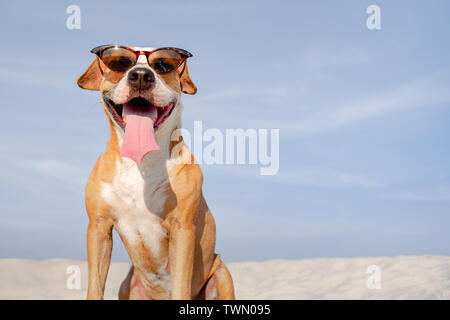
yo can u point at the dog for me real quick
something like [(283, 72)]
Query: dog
[(139, 188)]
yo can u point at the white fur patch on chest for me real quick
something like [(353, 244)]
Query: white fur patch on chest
[(136, 197)]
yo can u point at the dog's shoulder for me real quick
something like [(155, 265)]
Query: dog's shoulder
[(103, 173), (186, 176)]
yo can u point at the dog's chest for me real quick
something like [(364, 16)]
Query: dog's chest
[(137, 201)]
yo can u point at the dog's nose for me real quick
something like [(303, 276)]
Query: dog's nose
[(141, 78)]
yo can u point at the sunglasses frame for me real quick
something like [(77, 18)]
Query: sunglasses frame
[(98, 51)]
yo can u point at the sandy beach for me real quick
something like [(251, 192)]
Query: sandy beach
[(404, 277)]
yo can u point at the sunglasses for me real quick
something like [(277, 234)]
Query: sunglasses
[(120, 59)]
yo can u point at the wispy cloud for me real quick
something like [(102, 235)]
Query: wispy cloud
[(191, 9), (319, 177), (309, 176), (422, 92), (243, 90), (439, 194), (426, 91), (237, 222), (57, 169), (332, 56), (306, 119), (24, 224), (47, 79)]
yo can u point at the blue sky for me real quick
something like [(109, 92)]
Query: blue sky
[(363, 118)]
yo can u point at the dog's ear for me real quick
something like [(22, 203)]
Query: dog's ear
[(186, 84), (92, 78)]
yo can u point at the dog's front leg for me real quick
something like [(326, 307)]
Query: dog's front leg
[(188, 188), (181, 257), (99, 243)]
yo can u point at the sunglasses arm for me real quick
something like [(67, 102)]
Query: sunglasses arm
[(99, 65), (184, 67)]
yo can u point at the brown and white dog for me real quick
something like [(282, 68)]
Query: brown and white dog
[(156, 205)]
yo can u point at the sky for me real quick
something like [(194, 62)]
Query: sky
[(363, 118)]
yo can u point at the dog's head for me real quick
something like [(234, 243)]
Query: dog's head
[(141, 91)]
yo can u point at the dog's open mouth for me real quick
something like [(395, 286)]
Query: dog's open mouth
[(140, 120), (117, 111)]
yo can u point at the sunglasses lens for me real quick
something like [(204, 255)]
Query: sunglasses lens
[(119, 59), (165, 61)]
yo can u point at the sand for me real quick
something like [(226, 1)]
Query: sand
[(405, 277)]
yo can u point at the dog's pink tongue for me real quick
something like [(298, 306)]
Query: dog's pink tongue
[(139, 136)]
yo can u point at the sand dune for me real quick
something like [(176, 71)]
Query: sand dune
[(408, 277)]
